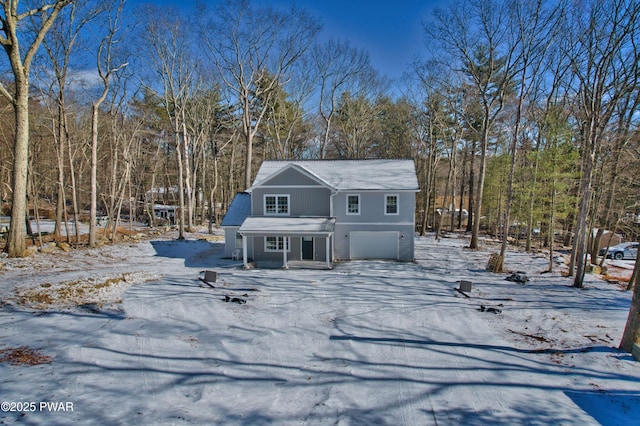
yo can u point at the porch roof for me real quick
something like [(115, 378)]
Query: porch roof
[(322, 226)]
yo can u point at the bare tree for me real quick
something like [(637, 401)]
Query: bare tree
[(11, 22), (355, 123), (340, 68), (621, 139), (532, 31), (601, 37), (420, 131), (434, 106), (105, 62), (254, 49), (124, 152), (474, 37), (171, 60), (59, 45)]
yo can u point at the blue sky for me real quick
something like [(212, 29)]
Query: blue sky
[(390, 30)]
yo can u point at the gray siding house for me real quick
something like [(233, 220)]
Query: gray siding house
[(325, 211)]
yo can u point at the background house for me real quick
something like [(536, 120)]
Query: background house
[(326, 211)]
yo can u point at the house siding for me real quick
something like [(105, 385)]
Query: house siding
[(320, 249), (372, 218), (302, 201), (260, 254), (372, 207), (291, 177), (230, 240)]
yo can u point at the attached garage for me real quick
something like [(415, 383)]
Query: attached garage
[(374, 244)]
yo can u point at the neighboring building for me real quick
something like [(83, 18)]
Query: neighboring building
[(325, 211), (162, 194), (168, 213)]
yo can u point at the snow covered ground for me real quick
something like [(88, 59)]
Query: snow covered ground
[(128, 334)]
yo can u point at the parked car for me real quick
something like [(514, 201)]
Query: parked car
[(621, 251)]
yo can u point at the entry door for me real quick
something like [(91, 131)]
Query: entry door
[(307, 248)]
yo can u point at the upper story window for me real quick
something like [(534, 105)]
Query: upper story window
[(353, 204), (276, 205), (391, 204)]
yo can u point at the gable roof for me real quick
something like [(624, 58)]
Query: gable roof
[(239, 210), (291, 173), (350, 175)]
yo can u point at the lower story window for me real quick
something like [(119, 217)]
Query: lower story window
[(275, 244)]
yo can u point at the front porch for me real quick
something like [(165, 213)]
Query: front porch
[(285, 242)]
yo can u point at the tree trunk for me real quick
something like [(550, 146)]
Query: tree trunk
[(74, 193), (532, 196), (20, 66), (475, 232), (212, 193), (248, 160), (635, 276), (16, 244), (463, 180), (552, 226), (512, 166), (583, 213), (472, 161), (187, 174), (60, 196), (631, 333), (180, 183), (94, 173)]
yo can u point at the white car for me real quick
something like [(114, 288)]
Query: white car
[(622, 251)]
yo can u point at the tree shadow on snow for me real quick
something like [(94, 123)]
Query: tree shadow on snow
[(196, 253)]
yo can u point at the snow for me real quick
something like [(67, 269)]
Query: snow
[(349, 175), (369, 342)]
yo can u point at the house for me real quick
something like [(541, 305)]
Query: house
[(325, 211), (168, 213)]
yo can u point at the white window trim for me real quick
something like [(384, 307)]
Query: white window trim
[(386, 197), (277, 196), (277, 250), (359, 205)]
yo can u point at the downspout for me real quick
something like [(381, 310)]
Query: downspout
[(330, 249)]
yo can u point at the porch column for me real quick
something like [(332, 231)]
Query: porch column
[(328, 251), (244, 252), (284, 252)]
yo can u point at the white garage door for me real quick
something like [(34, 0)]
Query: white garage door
[(374, 245)]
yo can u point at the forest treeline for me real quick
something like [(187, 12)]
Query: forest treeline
[(522, 118)]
